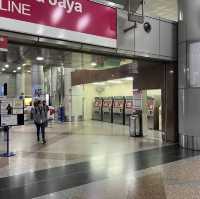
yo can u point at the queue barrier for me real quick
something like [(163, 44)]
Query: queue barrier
[(5, 143)]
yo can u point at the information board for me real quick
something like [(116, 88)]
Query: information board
[(11, 112), (137, 100), (9, 120)]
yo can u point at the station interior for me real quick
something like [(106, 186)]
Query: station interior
[(122, 87), (102, 100)]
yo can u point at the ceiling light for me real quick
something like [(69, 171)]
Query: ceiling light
[(39, 58), (111, 4), (14, 71), (99, 83), (3, 69), (28, 71), (128, 79), (171, 72), (23, 64), (7, 66), (114, 81), (19, 68), (93, 64)]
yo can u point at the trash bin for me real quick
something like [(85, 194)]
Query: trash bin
[(135, 125)]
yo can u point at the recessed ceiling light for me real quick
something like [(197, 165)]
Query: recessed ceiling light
[(7, 66), (19, 68), (111, 4), (23, 64), (93, 64), (128, 79), (115, 81), (99, 83), (14, 71), (39, 58), (28, 71), (3, 69)]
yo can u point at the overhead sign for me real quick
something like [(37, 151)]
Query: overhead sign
[(3, 43), (74, 20)]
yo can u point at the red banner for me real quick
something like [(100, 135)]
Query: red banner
[(62, 19), (3, 43)]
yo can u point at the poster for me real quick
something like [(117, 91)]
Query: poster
[(9, 120), (18, 104), (4, 105), (18, 111)]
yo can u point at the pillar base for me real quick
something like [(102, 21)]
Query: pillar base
[(189, 142), (78, 118)]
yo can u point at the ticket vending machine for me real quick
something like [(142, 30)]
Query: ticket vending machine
[(97, 109), (108, 109), (128, 109), (119, 110), (150, 112)]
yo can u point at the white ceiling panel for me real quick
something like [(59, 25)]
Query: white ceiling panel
[(167, 9)]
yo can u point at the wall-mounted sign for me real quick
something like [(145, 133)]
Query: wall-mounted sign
[(137, 99), (74, 20), (3, 43)]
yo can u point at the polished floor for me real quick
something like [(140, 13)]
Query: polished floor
[(94, 160)]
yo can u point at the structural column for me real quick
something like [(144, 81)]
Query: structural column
[(20, 84), (37, 81), (189, 74), (68, 93)]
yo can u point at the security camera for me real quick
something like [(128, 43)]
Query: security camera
[(147, 27)]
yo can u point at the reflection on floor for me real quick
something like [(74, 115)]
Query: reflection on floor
[(94, 160)]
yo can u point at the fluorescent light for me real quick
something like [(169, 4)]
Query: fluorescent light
[(93, 64), (99, 83), (7, 66), (115, 81), (19, 68), (128, 79), (111, 4), (14, 71), (28, 71), (39, 58), (3, 69)]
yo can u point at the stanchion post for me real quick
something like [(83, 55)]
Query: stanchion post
[(7, 153)]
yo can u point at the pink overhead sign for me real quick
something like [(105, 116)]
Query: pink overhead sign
[(3, 43), (75, 20)]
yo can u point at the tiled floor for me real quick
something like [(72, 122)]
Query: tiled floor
[(94, 160), (67, 144)]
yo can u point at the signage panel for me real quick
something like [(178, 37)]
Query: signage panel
[(9, 120), (3, 43), (74, 20)]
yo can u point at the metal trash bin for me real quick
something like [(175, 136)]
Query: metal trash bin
[(135, 125)]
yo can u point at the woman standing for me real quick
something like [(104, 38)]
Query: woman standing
[(40, 119)]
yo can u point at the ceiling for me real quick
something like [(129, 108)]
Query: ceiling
[(22, 57), (167, 9)]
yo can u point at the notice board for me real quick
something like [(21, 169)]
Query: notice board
[(11, 112)]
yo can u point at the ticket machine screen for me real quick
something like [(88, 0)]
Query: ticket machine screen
[(129, 104), (98, 103), (119, 104), (107, 104)]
